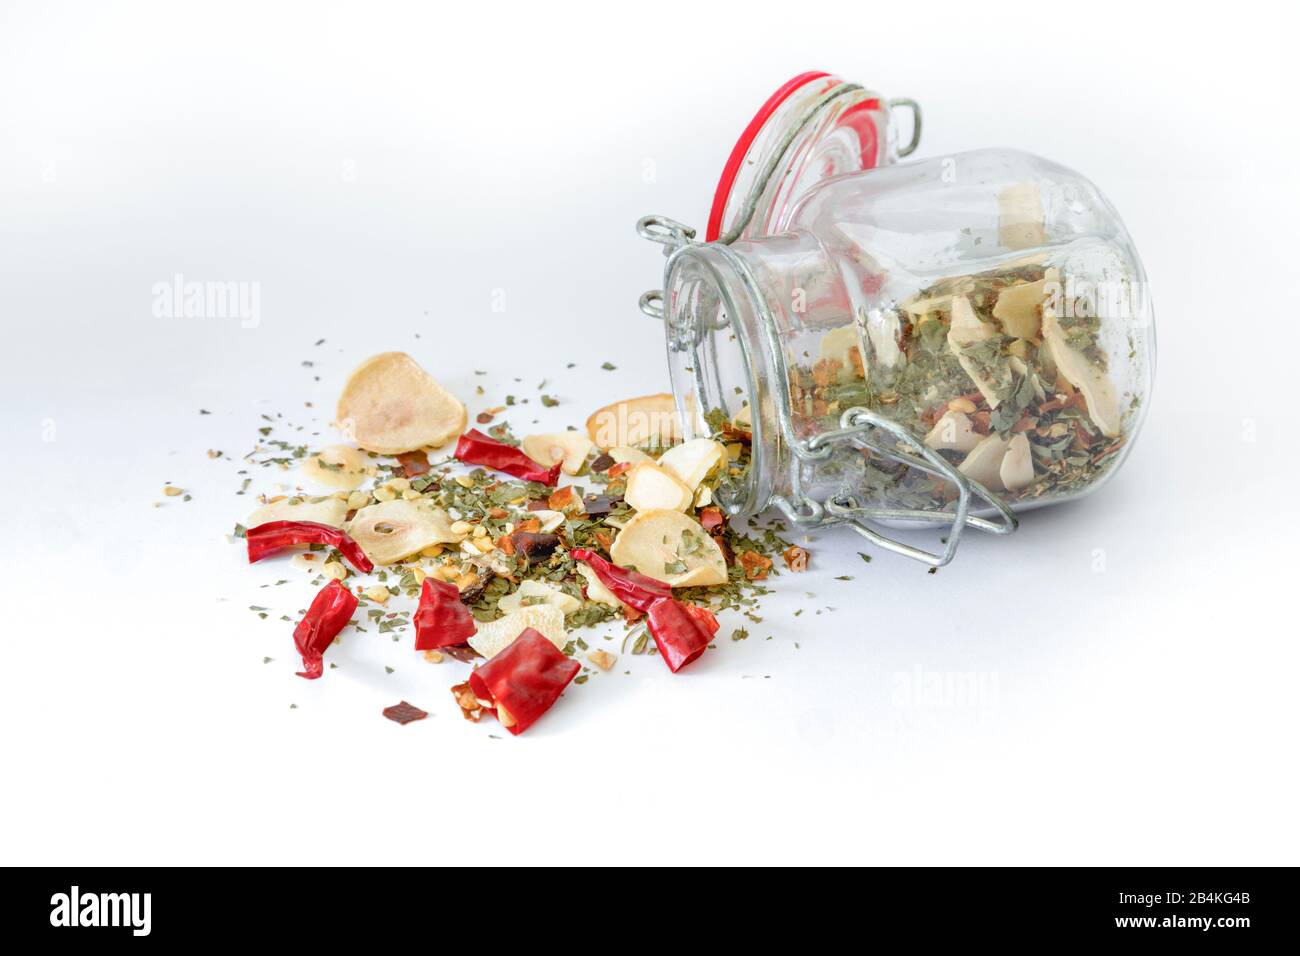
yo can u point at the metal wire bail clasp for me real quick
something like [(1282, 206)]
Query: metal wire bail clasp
[(670, 234), (870, 431)]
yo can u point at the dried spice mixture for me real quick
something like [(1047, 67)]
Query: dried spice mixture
[(514, 554)]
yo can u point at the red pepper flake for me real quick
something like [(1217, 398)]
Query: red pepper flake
[(404, 713), (475, 448), (756, 566), (521, 683), (328, 614), (461, 652), (634, 589), (274, 536), (565, 499), (414, 463), (534, 546), (681, 631), (710, 518), (796, 558), (441, 619), (622, 468)]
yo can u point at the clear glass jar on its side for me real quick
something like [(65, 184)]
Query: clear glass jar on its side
[(947, 341)]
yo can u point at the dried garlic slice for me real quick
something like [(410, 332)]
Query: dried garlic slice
[(670, 547), (1017, 468), (537, 593), (840, 346), (1020, 216), (650, 487), (391, 405), (1098, 392), (626, 453), (570, 449), (1018, 306), (650, 419), (984, 463), (495, 636), (392, 530), (338, 466), (693, 461), (953, 431), (596, 590)]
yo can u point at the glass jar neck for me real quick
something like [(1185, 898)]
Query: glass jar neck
[(726, 308)]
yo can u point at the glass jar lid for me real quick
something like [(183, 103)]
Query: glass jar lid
[(813, 127)]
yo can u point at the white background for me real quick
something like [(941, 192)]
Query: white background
[(380, 170)]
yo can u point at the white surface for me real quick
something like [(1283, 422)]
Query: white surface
[(381, 171)]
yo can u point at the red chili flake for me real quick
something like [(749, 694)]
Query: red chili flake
[(597, 506), (274, 536), (634, 589), (711, 518), (404, 713), (565, 499), (414, 463), (475, 448), (681, 631), (441, 619), (328, 614), (461, 652), (484, 418), (534, 546), (621, 468), (521, 683), (756, 566)]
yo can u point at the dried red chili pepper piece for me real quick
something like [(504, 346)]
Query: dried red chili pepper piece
[(681, 631), (404, 713), (441, 618), (631, 587), (535, 546), (414, 463), (274, 536), (328, 614), (475, 448), (597, 506), (521, 683), (710, 518)]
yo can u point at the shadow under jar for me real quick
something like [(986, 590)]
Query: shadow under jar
[(944, 342)]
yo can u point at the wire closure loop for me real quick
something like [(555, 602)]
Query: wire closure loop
[(915, 108), (856, 427), (669, 233)]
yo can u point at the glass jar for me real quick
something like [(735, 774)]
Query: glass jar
[(942, 342)]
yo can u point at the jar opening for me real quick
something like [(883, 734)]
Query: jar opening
[(717, 378)]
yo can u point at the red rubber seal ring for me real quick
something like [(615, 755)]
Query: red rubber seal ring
[(739, 151)]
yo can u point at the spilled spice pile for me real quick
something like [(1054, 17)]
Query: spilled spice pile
[(507, 549)]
